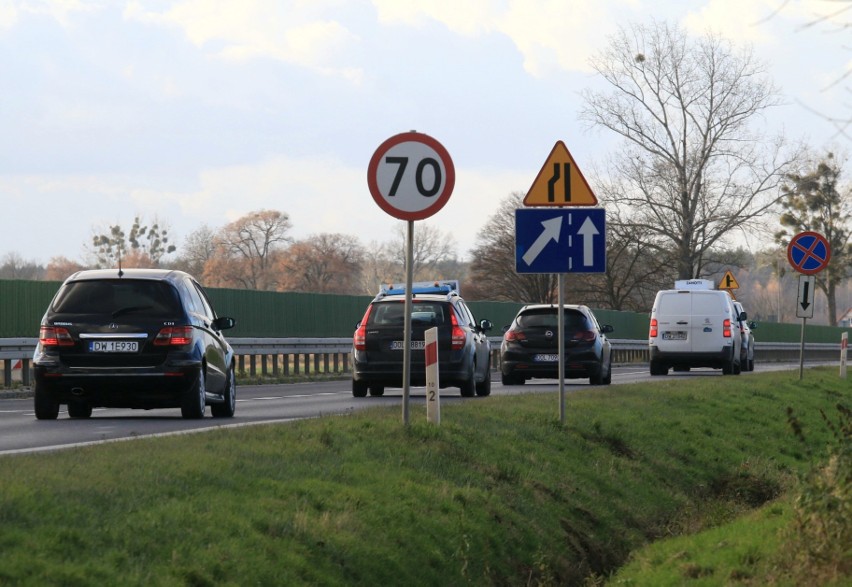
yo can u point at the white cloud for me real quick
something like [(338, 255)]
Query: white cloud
[(551, 35), (736, 20), (296, 32)]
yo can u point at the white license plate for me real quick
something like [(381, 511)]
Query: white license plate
[(114, 346), (398, 345), (546, 358), (674, 335)]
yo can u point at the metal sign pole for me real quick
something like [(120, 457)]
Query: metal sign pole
[(406, 351), (560, 328), (802, 351)]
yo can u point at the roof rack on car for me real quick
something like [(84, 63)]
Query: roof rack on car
[(448, 286)]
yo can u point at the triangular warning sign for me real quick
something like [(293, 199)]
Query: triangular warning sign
[(729, 281), (560, 182)]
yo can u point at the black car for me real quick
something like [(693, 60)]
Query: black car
[(133, 338), (530, 346), (464, 351)]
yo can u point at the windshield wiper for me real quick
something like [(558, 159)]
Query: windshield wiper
[(129, 309)]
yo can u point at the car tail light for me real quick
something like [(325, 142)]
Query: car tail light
[(55, 336), (458, 336), (513, 335), (726, 328), (359, 340), (653, 333), (585, 336), (174, 336)]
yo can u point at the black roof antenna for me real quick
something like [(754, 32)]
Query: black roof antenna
[(120, 272)]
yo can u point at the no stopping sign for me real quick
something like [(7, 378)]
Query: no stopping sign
[(411, 176), (808, 252)]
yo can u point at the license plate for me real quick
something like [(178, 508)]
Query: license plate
[(398, 345), (114, 346), (674, 335), (546, 358)]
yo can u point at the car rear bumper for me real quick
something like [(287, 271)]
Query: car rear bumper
[(715, 359), (390, 375), (138, 387), (578, 364)]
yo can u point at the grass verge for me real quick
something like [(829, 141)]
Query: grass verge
[(501, 493)]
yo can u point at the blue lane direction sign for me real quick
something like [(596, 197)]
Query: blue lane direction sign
[(560, 240)]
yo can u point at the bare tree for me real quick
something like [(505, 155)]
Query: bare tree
[(13, 266), (492, 266), (432, 247), (323, 263), (198, 248), (247, 250), (691, 169)]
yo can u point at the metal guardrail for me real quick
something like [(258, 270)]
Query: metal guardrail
[(293, 356)]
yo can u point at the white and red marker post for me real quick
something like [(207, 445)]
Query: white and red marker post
[(433, 395)]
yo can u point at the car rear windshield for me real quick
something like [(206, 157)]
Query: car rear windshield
[(422, 313), (547, 318), (117, 297)]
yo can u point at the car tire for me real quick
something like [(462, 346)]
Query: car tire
[(79, 409), (195, 399), (507, 379), (359, 388), (377, 390), (468, 388), (658, 368), (483, 388), (46, 406), (597, 376), (751, 365), (227, 408), (607, 379)]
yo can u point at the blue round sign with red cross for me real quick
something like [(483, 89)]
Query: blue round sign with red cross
[(808, 252)]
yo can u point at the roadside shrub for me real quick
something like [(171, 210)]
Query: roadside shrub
[(819, 547)]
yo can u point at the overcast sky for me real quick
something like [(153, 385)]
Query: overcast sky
[(200, 111)]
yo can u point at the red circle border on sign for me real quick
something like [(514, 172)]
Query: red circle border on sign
[(443, 197), (819, 238)]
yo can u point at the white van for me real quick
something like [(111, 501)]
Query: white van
[(694, 325)]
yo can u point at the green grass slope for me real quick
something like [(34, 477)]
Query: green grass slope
[(499, 494)]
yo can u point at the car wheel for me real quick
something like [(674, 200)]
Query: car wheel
[(597, 375), (658, 368), (227, 408), (359, 388), (738, 368), (46, 406), (377, 390), (195, 399), (507, 379), (751, 364), (79, 409), (607, 379), (483, 388), (468, 388)]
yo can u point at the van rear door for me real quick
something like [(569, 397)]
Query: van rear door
[(674, 316), (708, 318)]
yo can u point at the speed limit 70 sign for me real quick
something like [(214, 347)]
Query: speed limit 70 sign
[(411, 176)]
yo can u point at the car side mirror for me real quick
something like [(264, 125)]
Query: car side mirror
[(743, 317), (752, 325), (224, 323), (485, 325), (607, 329)]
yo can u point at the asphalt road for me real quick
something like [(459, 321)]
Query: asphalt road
[(20, 432)]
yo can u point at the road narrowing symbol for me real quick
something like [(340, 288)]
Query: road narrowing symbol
[(560, 182)]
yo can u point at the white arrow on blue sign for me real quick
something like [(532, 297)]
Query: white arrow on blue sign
[(560, 240)]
